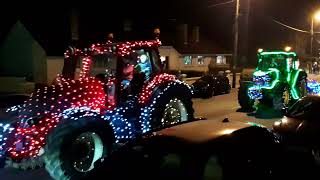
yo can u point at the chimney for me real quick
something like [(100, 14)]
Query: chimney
[(74, 25), (182, 34), (195, 34), (185, 34), (127, 25)]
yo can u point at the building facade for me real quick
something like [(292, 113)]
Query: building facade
[(193, 62)]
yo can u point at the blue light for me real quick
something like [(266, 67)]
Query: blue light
[(5, 130), (255, 93), (313, 87)]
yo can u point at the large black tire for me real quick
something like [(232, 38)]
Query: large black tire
[(163, 96), (244, 100), (245, 82), (60, 151), (278, 98)]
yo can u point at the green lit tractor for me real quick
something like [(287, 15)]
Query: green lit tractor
[(276, 83)]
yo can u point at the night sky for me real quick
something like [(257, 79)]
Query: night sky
[(50, 24)]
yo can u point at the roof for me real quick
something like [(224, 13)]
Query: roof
[(204, 46), (119, 48), (52, 44)]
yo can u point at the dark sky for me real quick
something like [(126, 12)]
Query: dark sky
[(50, 24)]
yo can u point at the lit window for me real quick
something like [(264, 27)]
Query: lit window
[(187, 60), (221, 60), (163, 59), (200, 60)]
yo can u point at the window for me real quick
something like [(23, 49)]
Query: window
[(155, 59), (187, 60), (144, 63), (221, 60), (200, 60), (163, 59), (103, 64)]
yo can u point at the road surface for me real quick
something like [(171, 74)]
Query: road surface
[(216, 108)]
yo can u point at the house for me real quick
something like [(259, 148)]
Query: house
[(193, 52), (24, 63), (193, 61)]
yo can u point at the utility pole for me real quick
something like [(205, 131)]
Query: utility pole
[(312, 35), (236, 39)]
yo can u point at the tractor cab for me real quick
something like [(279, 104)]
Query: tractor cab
[(274, 67), (283, 61), (123, 68)]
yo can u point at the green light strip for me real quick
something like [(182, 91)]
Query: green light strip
[(277, 72), (272, 85), (277, 53), (293, 89), (288, 70), (289, 77), (288, 65)]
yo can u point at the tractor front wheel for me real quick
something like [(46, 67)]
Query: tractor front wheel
[(243, 98), (169, 106)]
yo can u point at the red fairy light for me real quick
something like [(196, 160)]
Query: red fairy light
[(157, 80)]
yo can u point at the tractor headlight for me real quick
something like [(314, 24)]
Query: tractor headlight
[(263, 80)]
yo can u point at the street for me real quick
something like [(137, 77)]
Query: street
[(214, 109)]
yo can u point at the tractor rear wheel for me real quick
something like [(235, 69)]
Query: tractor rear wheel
[(74, 146)]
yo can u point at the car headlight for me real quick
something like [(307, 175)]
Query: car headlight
[(277, 123), (280, 122)]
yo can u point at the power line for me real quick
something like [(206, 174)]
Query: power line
[(292, 28), (219, 4)]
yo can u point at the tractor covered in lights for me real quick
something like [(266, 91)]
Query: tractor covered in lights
[(128, 97), (277, 80)]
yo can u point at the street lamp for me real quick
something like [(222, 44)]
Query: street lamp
[(287, 48), (315, 17)]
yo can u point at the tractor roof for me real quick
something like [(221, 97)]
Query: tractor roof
[(278, 53), (119, 49)]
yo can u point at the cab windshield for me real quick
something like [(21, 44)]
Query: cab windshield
[(272, 61)]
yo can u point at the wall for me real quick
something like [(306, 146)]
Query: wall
[(170, 52), (39, 63), (54, 67)]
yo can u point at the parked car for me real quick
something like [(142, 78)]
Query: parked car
[(301, 125), (211, 85), (205, 150)]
